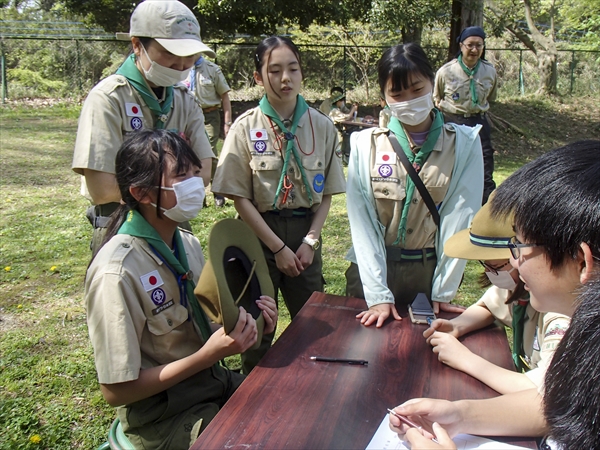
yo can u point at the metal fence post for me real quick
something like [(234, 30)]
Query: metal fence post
[(4, 82), (521, 79), (573, 63), (79, 84), (345, 68)]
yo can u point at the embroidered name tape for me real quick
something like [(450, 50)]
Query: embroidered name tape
[(385, 158), (259, 134), (151, 280), (133, 110)]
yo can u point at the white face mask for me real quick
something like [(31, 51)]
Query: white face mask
[(412, 112), (161, 75), (503, 279), (190, 198)]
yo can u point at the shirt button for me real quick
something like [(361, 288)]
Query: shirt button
[(291, 170), (386, 192), (409, 231), (170, 322), (262, 164), (124, 245), (415, 200), (319, 164)]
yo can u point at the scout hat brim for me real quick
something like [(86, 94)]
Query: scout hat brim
[(487, 239), (235, 275), (337, 98)]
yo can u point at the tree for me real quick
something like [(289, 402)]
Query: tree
[(410, 17), (542, 43)]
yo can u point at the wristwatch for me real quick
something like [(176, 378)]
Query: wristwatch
[(228, 123), (312, 243)]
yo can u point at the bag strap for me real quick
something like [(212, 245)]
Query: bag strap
[(425, 195)]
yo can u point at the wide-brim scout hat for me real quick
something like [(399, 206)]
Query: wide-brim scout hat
[(235, 275), (337, 96), (171, 24), (487, 238)]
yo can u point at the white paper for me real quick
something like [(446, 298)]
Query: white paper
[(387, 439)]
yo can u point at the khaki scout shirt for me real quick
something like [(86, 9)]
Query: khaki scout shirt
[(541, 334), (134, 314), (113, 108), (337, 115), (452, 90), (389, 188), (251, 161), (210, 84)]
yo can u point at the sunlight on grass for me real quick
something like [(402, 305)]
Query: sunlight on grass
[(49, 396)]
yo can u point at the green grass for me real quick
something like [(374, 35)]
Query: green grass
[(48, 386)]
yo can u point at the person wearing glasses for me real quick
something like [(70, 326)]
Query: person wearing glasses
[(535, 335), (555, 201), (464, 88)]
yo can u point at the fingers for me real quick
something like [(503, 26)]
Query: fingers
[(269, 312), (436, 307), (442, 436)]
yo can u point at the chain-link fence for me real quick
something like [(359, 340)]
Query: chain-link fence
[(69, 68)]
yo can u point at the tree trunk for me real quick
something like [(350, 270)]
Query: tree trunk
[(412, 35), (465, 13), (547, 66)]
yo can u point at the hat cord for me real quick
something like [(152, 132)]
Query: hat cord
[(245, 288)]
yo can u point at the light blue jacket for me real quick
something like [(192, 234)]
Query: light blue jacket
[(462, 201)]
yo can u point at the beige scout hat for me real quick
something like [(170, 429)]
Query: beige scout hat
[(171, 24), (235, 275), (487, 238)]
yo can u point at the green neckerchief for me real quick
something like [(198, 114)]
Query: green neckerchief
[(136, 225), (417, 161), (301, 108), (518, 320), (130, 71), (471, 73)]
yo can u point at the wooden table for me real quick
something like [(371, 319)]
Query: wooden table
[(290, 401)]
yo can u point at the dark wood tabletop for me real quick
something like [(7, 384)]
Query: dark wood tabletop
[(290, 401), (358, 124)]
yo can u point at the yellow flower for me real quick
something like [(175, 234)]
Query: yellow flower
[(19, 306), (7, 269), (52, 269), (35, 439)]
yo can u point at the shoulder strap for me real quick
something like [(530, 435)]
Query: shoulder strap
[(425, 195)]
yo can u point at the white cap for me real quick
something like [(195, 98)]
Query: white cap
[(171, 24)]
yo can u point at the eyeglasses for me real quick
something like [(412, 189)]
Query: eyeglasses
[(474, 46), (514, 245), (493, 269)]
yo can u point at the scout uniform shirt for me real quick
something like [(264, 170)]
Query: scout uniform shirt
[(542, 332), (252, 160), (113, 108), (452, 91), (135, 316), (209, 84), (375, 197)]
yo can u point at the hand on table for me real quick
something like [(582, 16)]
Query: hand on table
[(442, 326), (418, 441), (269, 312), (447, 307), (378, 313), (450, 350), (425, 411)]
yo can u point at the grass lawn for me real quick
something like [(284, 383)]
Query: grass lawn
[(49, 396)]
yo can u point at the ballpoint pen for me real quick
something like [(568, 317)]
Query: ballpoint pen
[(360, 362), (408, 422)]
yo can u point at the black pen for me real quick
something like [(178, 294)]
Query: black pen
[(360, 362)]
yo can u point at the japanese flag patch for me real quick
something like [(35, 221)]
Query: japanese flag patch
[(258, 134), (133, 110), (385, 158), (151, 280)]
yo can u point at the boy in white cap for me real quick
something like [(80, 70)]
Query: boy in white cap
[(144, 93)]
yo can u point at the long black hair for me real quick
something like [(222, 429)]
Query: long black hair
[(140, 163)]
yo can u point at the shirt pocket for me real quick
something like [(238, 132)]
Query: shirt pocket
[(267, 171), (314, 170), (437, 195), (458, 90), (165, 321)]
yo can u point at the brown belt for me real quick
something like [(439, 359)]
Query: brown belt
[(211, 109)]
